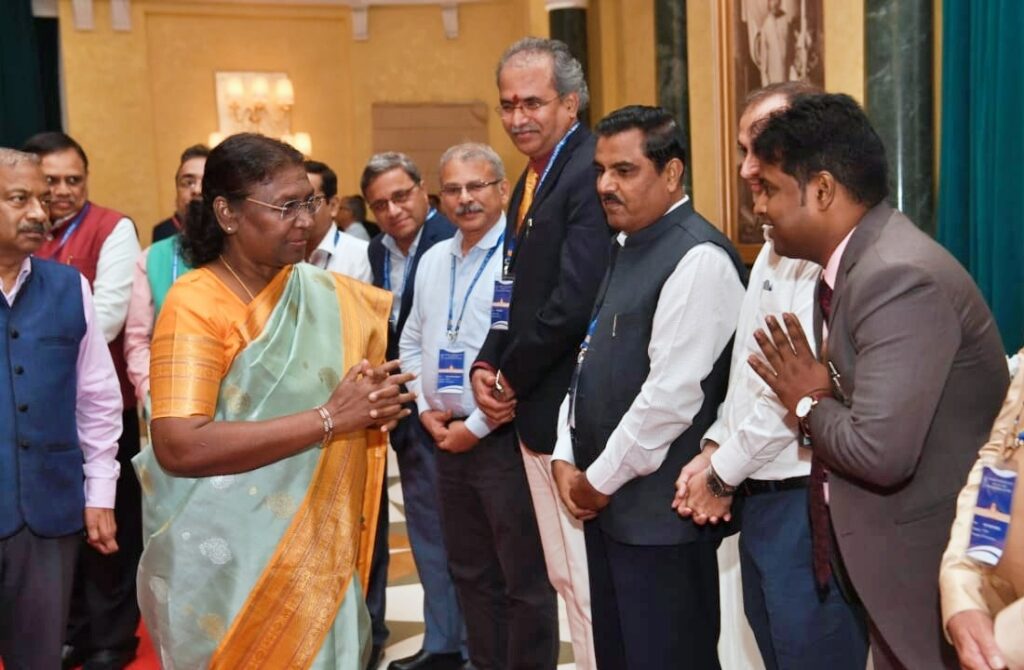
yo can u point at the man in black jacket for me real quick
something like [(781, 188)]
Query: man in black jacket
[(556, 251), (393, 187)]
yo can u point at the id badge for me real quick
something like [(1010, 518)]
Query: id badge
[(500, 304), (991, 522), (451, 371)]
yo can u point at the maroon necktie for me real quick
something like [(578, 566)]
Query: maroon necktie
[(821, 535)]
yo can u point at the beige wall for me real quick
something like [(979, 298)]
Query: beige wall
[(136, 99), (110, 112), (620, 40)]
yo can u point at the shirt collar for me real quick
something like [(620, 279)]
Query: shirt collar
[(23, 272), (621, 237), (327, 243), (832, 267), (61, 221), (486, 242), (539, 164), (391, 245)]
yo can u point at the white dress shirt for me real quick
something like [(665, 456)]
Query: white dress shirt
[(398, 268), (426, 329), (114, 270), (342, 253), (97, 401), (757, 437), (693, 323)]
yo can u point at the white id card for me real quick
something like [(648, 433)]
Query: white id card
[(991, 523), (500, 304), (451, 371)]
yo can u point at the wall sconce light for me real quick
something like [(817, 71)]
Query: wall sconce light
[(301, 141), (257, 102)]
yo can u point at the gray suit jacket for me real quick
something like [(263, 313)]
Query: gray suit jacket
[(922, 367)]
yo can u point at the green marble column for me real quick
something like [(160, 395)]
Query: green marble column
[(570, 26), (898, 55), (671, 63)]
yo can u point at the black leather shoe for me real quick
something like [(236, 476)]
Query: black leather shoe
[(109, 659), (376, 653), (426, 660)]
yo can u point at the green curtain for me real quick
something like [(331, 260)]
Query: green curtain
[(981, 187), (21, 91)]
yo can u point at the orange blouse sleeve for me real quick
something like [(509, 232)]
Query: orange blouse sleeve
[(193, 345)]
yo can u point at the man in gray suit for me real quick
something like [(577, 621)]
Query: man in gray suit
[(912, 375)]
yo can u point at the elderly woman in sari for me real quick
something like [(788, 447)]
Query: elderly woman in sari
[(261, 489)]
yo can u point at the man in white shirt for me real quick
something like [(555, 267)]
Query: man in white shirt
[(103, 245), (60, 416), (494, 550), (754, 450), (393, 185), (649, 377), (329, 248), (351, 218)]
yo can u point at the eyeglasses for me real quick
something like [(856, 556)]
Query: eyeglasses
[(397, 198), (528, 106), (291, 209), (473, 188)]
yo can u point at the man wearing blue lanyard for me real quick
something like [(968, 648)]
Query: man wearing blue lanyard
[(393, 186), (647, 385), (556, 251), (490, 530)]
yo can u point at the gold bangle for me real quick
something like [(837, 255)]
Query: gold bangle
[(328, 423)]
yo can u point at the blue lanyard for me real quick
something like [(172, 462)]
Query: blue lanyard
[(453, 331), (174, 262), (510, 252), (575, 380), (554, 155), (387, 272), (72, 227), (337, 236)]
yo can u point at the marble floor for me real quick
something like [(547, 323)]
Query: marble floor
[(405, 595), (737, 650)]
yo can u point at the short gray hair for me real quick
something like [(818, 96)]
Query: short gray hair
[(13, 158), (386, 162), (469, 151), (568, 72)]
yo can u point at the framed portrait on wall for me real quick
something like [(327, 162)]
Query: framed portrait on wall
[(763, 42)]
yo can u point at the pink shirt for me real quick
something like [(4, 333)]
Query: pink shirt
[(138, 330), (830, 273), (98, 401)]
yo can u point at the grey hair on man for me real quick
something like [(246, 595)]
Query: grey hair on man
[(13, 158), (386, 162), (470, 151), (568, 72)]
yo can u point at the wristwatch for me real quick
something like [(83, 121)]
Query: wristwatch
[(716, 486), (804, 407)]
